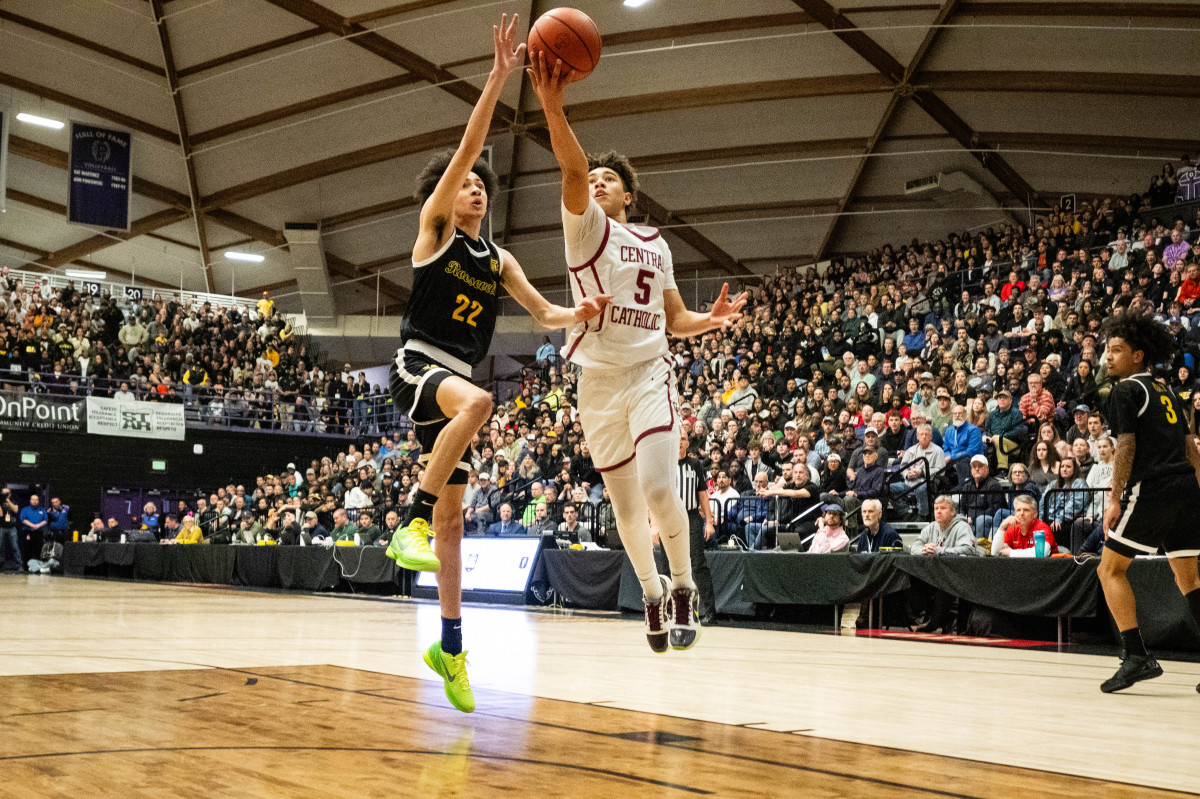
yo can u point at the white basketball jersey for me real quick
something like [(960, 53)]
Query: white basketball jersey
[(634, 266)]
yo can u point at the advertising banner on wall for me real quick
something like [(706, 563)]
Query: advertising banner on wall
[(100, 174), (40, 412), (135, 419), (4, 115)]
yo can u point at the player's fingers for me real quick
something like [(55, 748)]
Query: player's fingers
[(724, 293), (512, 28), (519, 53)]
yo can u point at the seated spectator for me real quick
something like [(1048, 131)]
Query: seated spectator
[(916, 474), (49, 561), (391, 523), (831, 534), (1099, 477), (343, 529), (876, 534), (833, 476), (1016, 533), (542, 524), (368, 531), (1065, 498), (980, 497), (1043, 463), (607, 519), (247, 533), (312, 531), (1006, 428), (725, 496), (1019, 485), (802, 497), (572, 530), (869, 481), (962, 441), (1037, 402), (506, 525), (189, 533), (947, 534), (482, 509), (171, 526), (758, 514), (287, 532), (95, 531), (536, 497)]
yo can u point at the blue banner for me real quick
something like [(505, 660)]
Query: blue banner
[(100, 173)]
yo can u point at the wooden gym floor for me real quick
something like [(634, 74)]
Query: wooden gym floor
[(125, 689)]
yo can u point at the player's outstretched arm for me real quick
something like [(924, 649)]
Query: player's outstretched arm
[(683, 323), (547, 314), (438, 210), (549, 83)]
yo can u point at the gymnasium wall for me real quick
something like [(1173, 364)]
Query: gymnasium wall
[(77, 467)]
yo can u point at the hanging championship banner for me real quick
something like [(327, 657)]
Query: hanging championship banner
[(100, 168), (135, 419), (4, 115)]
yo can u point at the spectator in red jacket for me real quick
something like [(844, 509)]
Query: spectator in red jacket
[(1017, 531), (1037, 401)]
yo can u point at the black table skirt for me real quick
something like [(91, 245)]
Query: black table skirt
[(301, 568)]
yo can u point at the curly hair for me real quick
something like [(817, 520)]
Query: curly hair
[(428, 179), (1141, 331), (619, 164)]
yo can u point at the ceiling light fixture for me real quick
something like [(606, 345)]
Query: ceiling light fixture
[(635, 3), (43, 121), (86, 274), (233, 255)]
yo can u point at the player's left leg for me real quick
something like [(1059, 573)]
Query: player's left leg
[(657, 459), (1136, 662), (446, 656)]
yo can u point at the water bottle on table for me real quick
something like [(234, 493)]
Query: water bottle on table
[(1039, 544)]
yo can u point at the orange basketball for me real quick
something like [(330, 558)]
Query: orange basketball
[(568, 35)]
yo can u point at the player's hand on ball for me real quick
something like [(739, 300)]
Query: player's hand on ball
[(592, 306), (548, 80), (726, 311), (508, 58)]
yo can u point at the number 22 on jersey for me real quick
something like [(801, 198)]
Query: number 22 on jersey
[(465, 303)]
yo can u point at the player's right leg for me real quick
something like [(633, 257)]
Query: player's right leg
[(446, 656), (1136, 662)]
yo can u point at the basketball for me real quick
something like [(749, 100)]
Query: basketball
[(568, 35)]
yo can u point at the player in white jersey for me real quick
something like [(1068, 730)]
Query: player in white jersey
[(627, 397)]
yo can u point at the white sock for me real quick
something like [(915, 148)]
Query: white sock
[(658, 474), (633, 526)]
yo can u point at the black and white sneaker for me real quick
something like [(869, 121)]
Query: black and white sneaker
[(685, 618), (658, 617), (1134, 668)]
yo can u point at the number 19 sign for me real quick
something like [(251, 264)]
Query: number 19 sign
[(100, 173)]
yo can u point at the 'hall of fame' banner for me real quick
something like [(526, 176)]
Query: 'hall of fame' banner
[(134, 419), (100, 171), (4, 115)]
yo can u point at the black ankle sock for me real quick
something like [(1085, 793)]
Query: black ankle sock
[(1133, 643), (1193, 600), (451, 636), (422, 506)]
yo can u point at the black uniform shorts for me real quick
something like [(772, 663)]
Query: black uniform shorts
[(1160, 513), (413, 382)]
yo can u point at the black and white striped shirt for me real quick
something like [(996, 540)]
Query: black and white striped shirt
[(691, 484)]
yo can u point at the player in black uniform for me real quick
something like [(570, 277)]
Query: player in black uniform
[(447, 330), (1156, 475)]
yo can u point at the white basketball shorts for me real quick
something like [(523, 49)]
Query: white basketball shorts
[(620, 407)]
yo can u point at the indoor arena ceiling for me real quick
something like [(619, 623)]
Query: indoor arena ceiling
[(767, 132)]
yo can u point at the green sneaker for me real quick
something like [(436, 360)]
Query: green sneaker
[(409, 547), (453, 669)]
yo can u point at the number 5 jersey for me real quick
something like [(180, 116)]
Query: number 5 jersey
[(634, 266)]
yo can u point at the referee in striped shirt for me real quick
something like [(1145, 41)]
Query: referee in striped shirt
[(700, 528)]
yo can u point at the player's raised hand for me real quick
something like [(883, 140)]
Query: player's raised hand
[(726, 311), (548, 80), (592, 306), (508, 58)]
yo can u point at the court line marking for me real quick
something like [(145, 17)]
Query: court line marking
[(53, 712)]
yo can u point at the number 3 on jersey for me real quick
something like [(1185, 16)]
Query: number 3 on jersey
[(642, 297), (464, 303), (1171, 417)]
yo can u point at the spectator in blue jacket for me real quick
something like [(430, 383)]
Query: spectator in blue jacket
[(961, 442), (1066, 498), (57, 515), (914, 341), (33, 527), (876, 533)]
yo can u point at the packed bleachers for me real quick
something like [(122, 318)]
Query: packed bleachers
[(990, 337)]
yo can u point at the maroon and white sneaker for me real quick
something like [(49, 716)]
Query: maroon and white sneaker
[(658, 617), (685, 618)]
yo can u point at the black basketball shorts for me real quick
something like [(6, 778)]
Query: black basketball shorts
[(1160, 513), (413, 382)]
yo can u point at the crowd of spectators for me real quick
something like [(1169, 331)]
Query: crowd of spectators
[(232, 365)]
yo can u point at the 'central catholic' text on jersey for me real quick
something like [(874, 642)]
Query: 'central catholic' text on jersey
[(453, 303)]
